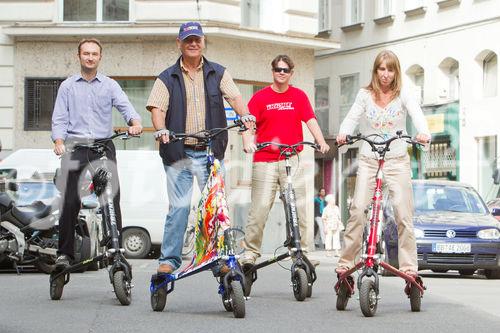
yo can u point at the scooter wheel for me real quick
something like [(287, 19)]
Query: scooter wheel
[(368, 298), (122, 288), (415, 298), (237, 299), (342, 296), (299, 283), (159, 299), (56, 287)]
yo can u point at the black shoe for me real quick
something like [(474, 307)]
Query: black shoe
[(62, 262)]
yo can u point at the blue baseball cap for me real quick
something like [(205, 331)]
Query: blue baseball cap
[(190, 29)]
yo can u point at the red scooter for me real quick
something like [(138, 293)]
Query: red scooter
[(368, 280)]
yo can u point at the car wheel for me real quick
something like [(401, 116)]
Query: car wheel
[(136, 243), (492, 274), (466, 272)]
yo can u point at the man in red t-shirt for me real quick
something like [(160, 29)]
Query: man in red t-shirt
[(279, 110)]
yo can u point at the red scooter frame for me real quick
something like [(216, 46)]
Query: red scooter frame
[(369, 288)]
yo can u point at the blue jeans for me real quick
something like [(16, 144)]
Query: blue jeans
[(180, 189)]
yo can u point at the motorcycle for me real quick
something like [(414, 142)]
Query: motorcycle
[(29, 233)]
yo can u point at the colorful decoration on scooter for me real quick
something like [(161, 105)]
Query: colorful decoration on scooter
[(211, 221)]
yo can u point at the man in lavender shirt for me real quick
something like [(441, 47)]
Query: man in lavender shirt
[(82, 113)]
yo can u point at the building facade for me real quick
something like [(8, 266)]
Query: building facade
[(38, 41), (448, 53)]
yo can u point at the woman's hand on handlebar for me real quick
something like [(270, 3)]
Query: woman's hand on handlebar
[(162, 135), (341, 139), (423, 138)]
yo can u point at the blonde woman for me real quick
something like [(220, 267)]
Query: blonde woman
[(382, 108)]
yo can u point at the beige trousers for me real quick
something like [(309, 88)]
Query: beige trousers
[(397, 177), (267, 179)]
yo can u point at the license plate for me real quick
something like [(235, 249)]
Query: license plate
[(451, 247)]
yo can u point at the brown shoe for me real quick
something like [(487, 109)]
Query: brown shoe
[(165, 268)]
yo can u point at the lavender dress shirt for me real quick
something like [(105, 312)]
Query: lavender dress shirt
[(83, 108)]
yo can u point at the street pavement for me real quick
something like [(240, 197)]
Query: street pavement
[(450, 304)]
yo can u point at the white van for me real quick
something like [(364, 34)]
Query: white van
[(144, 200)]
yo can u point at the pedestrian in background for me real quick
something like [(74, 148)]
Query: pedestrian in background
[(332, 226), (319, 205)]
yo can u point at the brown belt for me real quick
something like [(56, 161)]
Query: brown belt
[(195, 147)]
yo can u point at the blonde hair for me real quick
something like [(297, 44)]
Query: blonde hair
[(392, 63)]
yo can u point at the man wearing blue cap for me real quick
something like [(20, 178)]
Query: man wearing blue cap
[(188, 97)]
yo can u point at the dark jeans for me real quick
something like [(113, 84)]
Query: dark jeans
[(73, 171)]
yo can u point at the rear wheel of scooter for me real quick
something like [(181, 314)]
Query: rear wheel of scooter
[(368, 298), (299, 283), (342, 296), (237, 299), (122, 288), (159, 299), (415, 299), (56, 287)]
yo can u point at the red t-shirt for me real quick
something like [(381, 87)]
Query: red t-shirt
[(279, 119)]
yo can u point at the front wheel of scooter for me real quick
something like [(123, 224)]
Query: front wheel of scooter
[(237, 299), (299, 283), (342, 296), (56, 287), (415, 299), (159, 299), (368, 298), (122, 288)]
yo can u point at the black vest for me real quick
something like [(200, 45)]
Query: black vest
[(175, 120)]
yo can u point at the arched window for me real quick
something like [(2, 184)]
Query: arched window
[(490, 70), (417, 76), (451, 85)]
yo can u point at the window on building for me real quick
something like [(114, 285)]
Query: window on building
[(349, 86), (40, 97), (490, 73), (322, 103), (95, 10), (450, 88), (417, 77), (324, 23), (250, 13), (353, 11), (384, 8)]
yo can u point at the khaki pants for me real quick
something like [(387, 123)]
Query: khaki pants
[(267, 178), (397, 176)]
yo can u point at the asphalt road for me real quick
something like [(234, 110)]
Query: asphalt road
[(88, 304)]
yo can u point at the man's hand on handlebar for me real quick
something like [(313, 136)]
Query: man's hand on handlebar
[(162, 135), (323, 147), (135, 129)]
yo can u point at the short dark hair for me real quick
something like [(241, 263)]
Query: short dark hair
[(282, 57), (89, 40)]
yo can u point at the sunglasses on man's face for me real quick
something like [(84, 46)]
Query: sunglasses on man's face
[(281, 69)]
